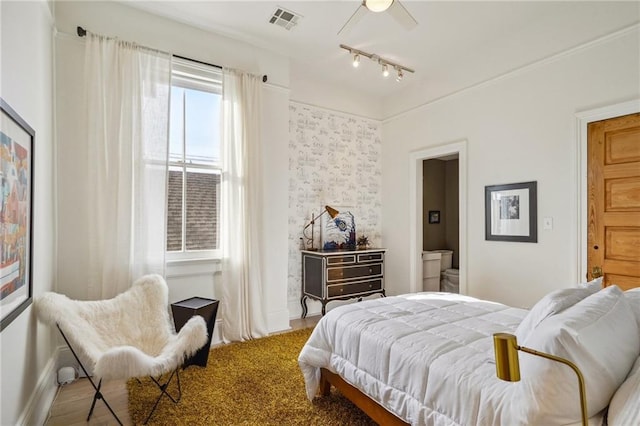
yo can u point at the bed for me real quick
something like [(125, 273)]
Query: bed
[(427, 358)]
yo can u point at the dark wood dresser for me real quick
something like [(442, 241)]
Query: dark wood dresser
[(340, 275)]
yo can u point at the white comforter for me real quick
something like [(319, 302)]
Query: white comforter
[(426, 357)]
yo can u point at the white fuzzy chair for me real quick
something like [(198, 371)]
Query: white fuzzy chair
[(128, 336)]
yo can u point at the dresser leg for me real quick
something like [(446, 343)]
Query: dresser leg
[(303, 302), (324, 307)]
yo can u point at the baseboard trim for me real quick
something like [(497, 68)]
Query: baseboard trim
[(37, 409), (295, 309)]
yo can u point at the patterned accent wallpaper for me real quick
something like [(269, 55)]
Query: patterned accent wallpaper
[(335, 160)]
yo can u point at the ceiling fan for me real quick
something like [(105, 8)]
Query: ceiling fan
[(393, 7)]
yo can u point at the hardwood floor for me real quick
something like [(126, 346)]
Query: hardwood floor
[(71, 405)]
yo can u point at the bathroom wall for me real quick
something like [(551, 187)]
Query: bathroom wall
[(440, 193), (433, 198)]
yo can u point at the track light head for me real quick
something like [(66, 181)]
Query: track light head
[(400, 74), (385, 70), (356, 60)]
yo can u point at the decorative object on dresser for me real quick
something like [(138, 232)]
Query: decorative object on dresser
[(339, 232), (340, 275), (310, 241), (363, 242)]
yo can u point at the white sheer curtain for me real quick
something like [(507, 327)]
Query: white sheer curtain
[(128, 89), (242, 307)]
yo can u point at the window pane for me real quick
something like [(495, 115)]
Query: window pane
[(174, 213), (202, 124), (176, 126), (194, 157), (202, 209)]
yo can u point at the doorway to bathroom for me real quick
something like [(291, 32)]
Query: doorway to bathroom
[(440, 224), (438, 217)]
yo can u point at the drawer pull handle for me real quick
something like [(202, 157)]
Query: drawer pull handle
[(370, 285), (341, 290), (370, 270)]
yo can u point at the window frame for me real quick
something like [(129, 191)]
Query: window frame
[(195, 76)]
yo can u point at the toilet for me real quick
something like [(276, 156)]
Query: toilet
[(450, 281), (435, 263)]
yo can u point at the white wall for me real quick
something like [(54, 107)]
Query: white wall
[(519, 128), (114, 19), (26, 347)]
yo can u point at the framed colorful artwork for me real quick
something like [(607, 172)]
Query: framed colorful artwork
[(17, 140), (339, 233)]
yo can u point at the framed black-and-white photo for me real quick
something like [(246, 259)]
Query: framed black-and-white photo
[(511, 212), (16, 213), (434, 216)]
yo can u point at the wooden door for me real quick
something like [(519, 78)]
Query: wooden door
[(613, 180)]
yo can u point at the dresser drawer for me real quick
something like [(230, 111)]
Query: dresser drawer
[(368, 257), (341, 260), (360, 287), (348, 272)]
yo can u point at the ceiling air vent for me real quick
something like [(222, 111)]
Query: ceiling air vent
[(285, 18)]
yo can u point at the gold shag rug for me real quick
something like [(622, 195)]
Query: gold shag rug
[(251, 383)]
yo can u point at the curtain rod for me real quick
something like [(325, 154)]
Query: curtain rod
[(82, 32)]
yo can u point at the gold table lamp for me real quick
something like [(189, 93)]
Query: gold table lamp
[(508, 365), (332, 212)]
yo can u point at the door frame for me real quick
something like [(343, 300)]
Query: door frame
[(416, 212), (582, 120)]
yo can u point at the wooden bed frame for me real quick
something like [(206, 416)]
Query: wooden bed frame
[(377, 412)]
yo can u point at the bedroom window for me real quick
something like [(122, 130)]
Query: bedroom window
[(194, 161)]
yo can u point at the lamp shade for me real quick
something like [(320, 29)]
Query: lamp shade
[(507, 362), (332, 212), (378, 5)]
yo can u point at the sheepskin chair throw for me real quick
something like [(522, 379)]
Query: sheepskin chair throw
[(130, 335)]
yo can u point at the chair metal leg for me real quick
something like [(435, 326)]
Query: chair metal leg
[(97, 395), (163, 391)]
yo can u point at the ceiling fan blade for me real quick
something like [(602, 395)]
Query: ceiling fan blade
[(355, 18), (402, 15)]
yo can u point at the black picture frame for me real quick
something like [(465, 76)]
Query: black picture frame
[(17, 143), (511, 212), (434, 216)]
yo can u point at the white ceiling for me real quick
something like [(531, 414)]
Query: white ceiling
[(455, 44)]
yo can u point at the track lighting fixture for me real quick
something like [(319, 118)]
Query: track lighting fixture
[(384, 63)]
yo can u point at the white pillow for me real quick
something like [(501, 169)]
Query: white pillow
[(600, 335), (624, 408), (633, 296), (551, 304), (594, 285)]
